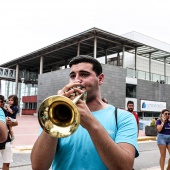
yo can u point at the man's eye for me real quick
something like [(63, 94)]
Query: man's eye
[(72, 76), (84, 74)]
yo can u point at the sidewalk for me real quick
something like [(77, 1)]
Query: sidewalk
[(26, 134), (142, 137)]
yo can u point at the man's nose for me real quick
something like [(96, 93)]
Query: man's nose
[(78, 79)]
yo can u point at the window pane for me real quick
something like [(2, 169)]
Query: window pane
[(140, 114), (147, 114), (156, 114), (131, 90)]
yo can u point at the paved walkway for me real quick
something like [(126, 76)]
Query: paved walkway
[(26, 134)]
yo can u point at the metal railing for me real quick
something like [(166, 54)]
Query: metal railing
[(147, 76), (7, 73)]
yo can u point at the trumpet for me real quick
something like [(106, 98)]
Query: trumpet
[(58, 115)]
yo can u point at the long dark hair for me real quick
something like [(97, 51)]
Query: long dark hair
[(15, 98), (164, 110)]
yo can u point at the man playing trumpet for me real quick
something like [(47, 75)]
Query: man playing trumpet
[(98, 143)]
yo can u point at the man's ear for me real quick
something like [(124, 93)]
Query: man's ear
[(101, 78)]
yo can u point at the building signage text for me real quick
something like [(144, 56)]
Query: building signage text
[(147, 105)]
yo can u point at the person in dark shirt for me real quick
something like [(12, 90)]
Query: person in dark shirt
[(12, 110), (5, 143), (130, 108), (163, 138)]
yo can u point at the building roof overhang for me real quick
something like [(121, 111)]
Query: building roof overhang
[(60, 53)]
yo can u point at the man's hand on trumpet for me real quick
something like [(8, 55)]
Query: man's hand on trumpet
[(71, 90)]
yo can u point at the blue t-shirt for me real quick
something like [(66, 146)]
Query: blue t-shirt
[(14, 110), (78, 152), (2, 116), (165, 129)]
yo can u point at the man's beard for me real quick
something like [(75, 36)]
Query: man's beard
[(130, 110)]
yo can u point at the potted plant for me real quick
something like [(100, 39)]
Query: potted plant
[(151, 130)]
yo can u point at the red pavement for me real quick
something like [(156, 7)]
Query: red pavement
[(141, 133), (26, 132)]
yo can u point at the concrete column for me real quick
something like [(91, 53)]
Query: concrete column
[(0, 88), (135, 57), (16, 80), (78, 49), (165, 69), (105, 56), (118, 59), (65, 63), (123, 54), (29, 90), (41, 64), (150, 66), (95, 47), (135, 62)]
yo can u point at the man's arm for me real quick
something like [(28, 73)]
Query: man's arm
[(114, 156), (9, 122), (43, 152), (3, 132), (45, 147), (3, 128)]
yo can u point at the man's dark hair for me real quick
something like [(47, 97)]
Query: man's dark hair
[(2, 97), (97, 68), (130, 102)]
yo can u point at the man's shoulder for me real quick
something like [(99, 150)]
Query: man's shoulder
[(135, 114), (124, 114), (2, 115), (121, 112)]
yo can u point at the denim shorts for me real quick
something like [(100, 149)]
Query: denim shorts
[(163, 139)]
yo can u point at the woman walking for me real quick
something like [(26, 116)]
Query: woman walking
[(163, 138)]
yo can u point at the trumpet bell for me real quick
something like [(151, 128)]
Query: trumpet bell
[(58, 116)]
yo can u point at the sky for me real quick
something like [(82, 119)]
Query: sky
[(29, 25)]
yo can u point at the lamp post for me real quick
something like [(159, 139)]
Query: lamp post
[(21, 103)]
